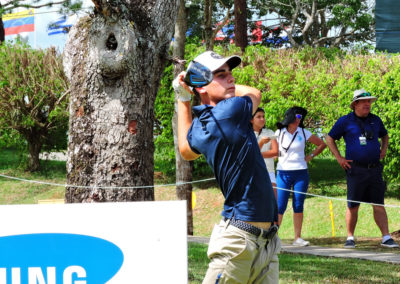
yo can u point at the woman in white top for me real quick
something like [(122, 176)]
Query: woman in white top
[(292, 166), (266, 142)]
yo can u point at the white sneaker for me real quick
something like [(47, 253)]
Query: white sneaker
[(300, 243)]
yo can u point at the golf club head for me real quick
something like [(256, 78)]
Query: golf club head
[(198, 75)]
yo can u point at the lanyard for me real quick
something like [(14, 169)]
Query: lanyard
[(361, 123), (290, 144)]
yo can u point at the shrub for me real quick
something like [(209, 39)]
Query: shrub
[(321, 80)]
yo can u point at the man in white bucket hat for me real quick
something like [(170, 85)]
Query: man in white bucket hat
[(244, 245), (361, 131), (361, 95)]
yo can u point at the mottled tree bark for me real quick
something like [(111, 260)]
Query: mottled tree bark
[(35, 143), (2, 33), (183, 168), (34, 151), (241, 24), (114, 60), (208, 29)]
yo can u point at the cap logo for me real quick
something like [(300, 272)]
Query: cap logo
[(215, 55)]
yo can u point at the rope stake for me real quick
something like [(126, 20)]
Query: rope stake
[(333, 222)]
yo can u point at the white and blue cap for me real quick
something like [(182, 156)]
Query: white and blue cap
[(213, 60)]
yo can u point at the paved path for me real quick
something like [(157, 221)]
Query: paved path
[(56, 156), (329, 252)]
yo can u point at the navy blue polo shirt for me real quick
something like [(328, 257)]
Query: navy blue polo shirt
[(224, 135), (350, 128)]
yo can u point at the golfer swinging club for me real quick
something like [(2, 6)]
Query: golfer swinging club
[(243, 246)]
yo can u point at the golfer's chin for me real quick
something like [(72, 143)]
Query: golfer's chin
[(229, 95)]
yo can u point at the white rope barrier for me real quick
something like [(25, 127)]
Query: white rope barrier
[(104, 187), (338, 199), (183, 183)]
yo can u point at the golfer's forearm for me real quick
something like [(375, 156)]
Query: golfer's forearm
[(184, 123), (253, 93)]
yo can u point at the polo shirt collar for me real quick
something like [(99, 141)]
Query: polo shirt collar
[(198, 110)]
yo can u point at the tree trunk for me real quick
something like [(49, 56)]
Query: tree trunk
[(2, 32), (34, 147), (115, 60), (241, 24), (208, 30), (183, 168)]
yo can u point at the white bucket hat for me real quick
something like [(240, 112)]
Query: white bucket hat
[(213, 60), (361, 95)]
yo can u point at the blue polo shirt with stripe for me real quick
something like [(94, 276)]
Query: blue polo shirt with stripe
[(224, 135)]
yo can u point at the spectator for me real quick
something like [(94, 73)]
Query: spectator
[(267, 143), (292, 166), (361, 131)]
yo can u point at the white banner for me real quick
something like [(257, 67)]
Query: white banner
[(94, 243)]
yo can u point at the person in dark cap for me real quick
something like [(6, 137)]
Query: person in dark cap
[(292, 165), (244, 245), (361, 131)]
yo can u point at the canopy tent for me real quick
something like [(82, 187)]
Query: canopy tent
[(387, 18)]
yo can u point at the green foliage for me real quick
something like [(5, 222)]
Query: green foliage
[(164, 154), (33, 98), (11, 138), (320, 79)]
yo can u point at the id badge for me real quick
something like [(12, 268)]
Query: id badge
[(363, 140)]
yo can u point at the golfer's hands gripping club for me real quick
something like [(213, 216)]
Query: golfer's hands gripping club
[(184, 92)]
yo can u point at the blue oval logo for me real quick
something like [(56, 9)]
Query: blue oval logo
[(58, 258)]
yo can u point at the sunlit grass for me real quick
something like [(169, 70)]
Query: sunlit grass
[(295, 268), (317, 226)]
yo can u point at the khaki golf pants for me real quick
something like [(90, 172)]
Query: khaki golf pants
[(237, 256)]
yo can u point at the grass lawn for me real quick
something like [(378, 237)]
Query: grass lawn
[(317, 225), (18, 192), (326, 179), (296, 268)]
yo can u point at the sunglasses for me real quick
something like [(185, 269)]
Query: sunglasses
[(299, 116), (363, 95)]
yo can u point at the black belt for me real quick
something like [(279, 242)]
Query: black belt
[(266, 234), (366, 165)]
